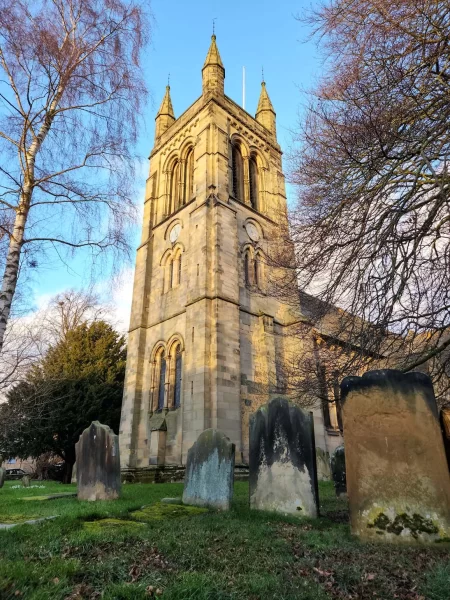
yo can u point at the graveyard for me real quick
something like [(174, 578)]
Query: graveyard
[(205, 555), (379, 530)]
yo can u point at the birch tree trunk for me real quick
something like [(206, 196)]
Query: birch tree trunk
[(11, 273), (70, 104)]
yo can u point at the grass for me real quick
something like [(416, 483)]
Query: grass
[(208, 555)]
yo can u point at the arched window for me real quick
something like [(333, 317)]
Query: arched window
[(257, 270), (170, 274), (177, 383), (161, 378), (189, 177), (247, 275), (179, 269), (175, 187), (238, 172), (253, 173)]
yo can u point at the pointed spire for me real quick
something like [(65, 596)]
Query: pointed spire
[(265, 113), (165, 116), (213, 70), (166, 107), (213, 56)]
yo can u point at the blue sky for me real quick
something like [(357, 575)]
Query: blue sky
[(250, 33)]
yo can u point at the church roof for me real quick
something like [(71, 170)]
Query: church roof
[(264, 100), (213, 56), (166, 107)]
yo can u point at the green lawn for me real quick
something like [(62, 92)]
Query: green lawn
[(242, 554)]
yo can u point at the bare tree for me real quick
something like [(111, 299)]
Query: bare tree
[(372, 227), (29, 336), (71, 91), (68, 310)]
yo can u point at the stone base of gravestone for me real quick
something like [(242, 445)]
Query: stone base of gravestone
[(282, 465), (338, 471), (398, 482), (98, 463), (323, 465), (2, 477), (210, 471), (26, 481)]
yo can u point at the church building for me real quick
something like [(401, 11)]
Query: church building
[(206, 340)]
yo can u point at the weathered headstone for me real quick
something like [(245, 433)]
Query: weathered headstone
[(26, 481), (398, 483), (210, 471), (338, 471), (2, 477), (323, 465), (445, 425), (282, 465), (98, 463), (73, 479)]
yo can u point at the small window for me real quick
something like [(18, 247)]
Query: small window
[(253, 173), (256, 266), (179, 269), (189, 177), (238, 173), (171, 274), (162, 382), (247, 269), (175, 187), (177, 386)]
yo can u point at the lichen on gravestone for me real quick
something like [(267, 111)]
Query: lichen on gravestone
[(398, 482), (282, 466), (209, 472)]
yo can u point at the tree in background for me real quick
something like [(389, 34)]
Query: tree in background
[(29, 336), (372, 227), (78, 381), (71, 90)]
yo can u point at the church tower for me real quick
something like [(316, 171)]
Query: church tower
[(205, 338)]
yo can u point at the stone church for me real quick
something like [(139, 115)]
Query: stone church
[(205, 340)]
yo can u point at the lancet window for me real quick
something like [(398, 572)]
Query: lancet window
[(253, 271), (173, 269), (176, 361), (166, 390), (253, 178), (189, 176), (175, 186), (247, 267), (238, 172), (159, 386)]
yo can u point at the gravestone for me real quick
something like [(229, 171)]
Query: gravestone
[(282, 465), (73, 479), (25, 481), (210, 471), (98, 463), (323, 465), (398, 482), (2, 477), (445, 425), (338, 471)]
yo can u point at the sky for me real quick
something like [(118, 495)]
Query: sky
[(254, 34)]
